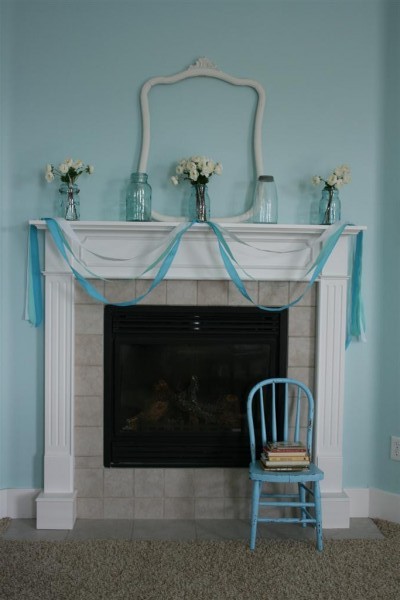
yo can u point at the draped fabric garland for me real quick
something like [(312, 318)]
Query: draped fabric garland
[(64, 238)]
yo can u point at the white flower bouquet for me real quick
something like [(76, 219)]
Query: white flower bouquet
[(197, 169), (68, 171), (330, 208), (338, 177)]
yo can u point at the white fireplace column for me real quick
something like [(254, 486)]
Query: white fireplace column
[(56, 505), (329, 392), (198, 258)]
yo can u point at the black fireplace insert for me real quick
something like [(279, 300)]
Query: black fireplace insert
[(176, 380)]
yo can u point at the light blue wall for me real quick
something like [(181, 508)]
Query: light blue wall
[(71, 76), (387, 406)]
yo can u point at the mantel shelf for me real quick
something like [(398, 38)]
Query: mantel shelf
[(167, 226), (266, 252)]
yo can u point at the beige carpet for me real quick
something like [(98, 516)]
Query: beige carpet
[(218, 570), (4, 523)]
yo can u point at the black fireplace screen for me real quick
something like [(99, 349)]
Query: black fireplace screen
[(177, 379)]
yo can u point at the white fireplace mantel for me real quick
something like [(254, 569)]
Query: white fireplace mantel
[(293, 249)]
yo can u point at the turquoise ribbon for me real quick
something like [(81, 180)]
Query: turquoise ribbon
[(167, 258), (355, 312), (356, 318), (34, 299), (228, 260), (355, 327), (59, 230)]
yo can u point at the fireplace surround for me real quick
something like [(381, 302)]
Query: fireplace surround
[(197, 260)]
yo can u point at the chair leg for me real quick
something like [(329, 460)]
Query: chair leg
[(254, 513), (318, 516), (302, 499)]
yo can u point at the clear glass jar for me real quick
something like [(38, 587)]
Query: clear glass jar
[(329, 206), (69, 201), (138, 198), (199, 203), (265, 204)]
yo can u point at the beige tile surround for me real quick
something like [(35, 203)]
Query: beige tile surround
[(167, 493)]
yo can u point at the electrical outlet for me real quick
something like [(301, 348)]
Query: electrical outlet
[(395, 448)]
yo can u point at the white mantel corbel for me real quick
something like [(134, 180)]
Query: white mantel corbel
[(197, 258)]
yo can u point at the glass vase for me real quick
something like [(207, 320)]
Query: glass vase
[(199, 203), (70, 204), (138, 198), (265, 204), (329, 206)]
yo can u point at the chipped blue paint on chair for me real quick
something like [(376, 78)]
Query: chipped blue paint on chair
[(292, 398)]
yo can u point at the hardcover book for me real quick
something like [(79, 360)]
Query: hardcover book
[(285, 447)]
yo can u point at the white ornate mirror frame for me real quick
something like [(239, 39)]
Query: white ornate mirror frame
[(202, 68)]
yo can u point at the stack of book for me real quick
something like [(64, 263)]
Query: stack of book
[(284, 456)]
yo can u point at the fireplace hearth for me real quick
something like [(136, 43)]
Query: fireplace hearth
[(176, 380)]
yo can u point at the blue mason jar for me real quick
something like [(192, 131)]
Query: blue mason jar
[(329, 206), (138, 198)]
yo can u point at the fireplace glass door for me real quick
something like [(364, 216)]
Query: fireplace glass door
[(177, 380)]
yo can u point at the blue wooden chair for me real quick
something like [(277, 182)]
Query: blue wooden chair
[(287, 398)]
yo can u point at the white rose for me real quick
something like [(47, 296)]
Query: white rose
[(90, 169), (174, 180), (49, 168), (218, 169), (179, 169), (346, 178), (206, 172), (49, 176), (332, 180), (78, 164), (193, 175), (69, 162), (211, 165), (204, 163), (316, 180), (63, 168)]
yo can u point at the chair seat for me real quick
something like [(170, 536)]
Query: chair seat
[(312, 473)]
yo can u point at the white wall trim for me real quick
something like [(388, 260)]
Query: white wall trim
[(3, 503), (384, 505), (364, 502), (359, 501), (18, 504)]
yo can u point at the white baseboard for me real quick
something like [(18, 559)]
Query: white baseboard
[(3, 503), (18, 504), (335, 511), (359, 501), (363, 502), (384, 505)]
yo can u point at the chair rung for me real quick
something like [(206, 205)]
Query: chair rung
[(284, 520), (279, 495), (292, 504)]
